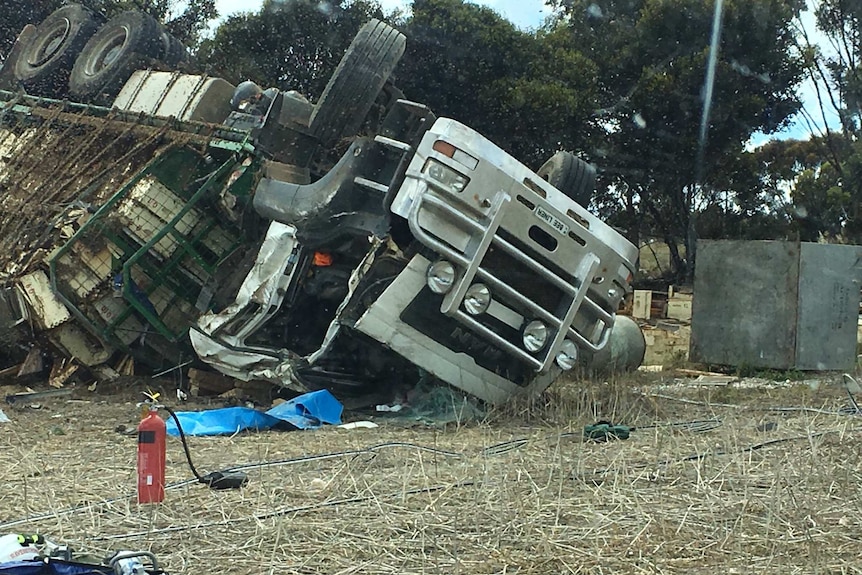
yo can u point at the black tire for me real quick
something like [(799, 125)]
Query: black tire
[(571, 175), (174, 52), (129, 41), (369, 61), (8, 81), (46, 59)]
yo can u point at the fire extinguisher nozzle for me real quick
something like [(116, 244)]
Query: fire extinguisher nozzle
[(225, 479)]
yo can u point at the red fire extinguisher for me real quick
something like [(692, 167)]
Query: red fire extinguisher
[(151, 457)]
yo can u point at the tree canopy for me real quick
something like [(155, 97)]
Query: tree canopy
[(292, 45), (827, 191), (652, 59), (531, 93)]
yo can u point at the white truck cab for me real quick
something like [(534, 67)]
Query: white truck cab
[(485, 275)]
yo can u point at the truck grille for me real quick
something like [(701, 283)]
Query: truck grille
[(518, 280)]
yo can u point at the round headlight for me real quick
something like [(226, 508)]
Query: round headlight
[(535, 336), (567, 357), (440, 277), (477, 299)]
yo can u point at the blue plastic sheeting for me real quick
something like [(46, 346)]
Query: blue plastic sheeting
[(53, 567), (308, 411), (221, 421)]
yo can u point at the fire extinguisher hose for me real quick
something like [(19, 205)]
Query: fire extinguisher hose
[(215, 479)]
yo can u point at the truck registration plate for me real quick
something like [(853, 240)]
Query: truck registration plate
[(552, 220)]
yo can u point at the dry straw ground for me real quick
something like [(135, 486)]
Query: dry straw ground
[(468, 499)]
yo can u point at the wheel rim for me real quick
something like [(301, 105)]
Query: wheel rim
[(50, 43), (108, 51)]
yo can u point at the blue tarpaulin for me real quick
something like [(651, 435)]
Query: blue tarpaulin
[(308, 411)]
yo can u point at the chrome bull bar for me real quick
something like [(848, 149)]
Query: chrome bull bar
[(470, 263)]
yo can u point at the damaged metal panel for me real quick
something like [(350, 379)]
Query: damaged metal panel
[(174, 95), (776, 304), (744, 309), (829, 281), (259, 297), (79, 344)]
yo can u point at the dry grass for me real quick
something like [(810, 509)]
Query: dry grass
[(550, 504)]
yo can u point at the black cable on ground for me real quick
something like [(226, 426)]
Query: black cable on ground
[(497, 449), (360, 499), (699, 425), (701, 456), (284, 511), (258, 465)]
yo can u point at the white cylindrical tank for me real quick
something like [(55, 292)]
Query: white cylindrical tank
[(625, 349)]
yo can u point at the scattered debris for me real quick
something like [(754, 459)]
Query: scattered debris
[(10, 370), (666, 343), (61, 371), (359, 425), (126, 429), (203, 383), (28, 396), (434, 406), (394, 408), (651, 368), (605, 431), (715, 380), (696, 372), (32, 363)]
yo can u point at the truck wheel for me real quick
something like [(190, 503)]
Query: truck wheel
[(174, 52), (129, 41), (359, 77), (571, 175), (46, 60)]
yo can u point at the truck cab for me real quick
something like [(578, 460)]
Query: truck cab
[(424, 251)]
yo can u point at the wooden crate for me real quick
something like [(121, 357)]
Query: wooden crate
[(666, 343), (641, 308), (679, 309)]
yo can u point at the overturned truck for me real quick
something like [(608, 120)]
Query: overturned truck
[(358, 244)]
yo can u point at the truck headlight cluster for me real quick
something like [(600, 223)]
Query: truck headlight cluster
[(567, 357), (445, 176), (477, 299), (535, 336), (440, 277)]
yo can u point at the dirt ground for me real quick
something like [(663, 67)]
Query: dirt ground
[(772, 485)]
